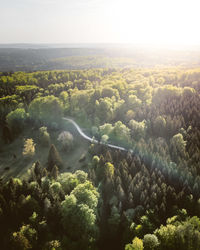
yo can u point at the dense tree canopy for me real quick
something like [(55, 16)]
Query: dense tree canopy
[(144, 197)]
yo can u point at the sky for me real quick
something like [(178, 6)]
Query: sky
[(170, 22)]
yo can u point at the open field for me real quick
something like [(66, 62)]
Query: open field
[(18, 166)]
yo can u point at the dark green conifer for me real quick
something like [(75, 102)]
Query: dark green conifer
[(53, 158), (54, 172)]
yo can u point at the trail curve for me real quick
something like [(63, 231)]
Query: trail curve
[(89, 138)]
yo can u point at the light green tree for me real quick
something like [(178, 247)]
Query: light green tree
[(46, 109), (150, 241), (178, 143), (16, 120), (109, 170), (29, 148), (85, 193), (122, 132), (137, 244), (138, 129), (166, 235)]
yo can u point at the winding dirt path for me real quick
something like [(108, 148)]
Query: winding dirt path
[(89, 138)]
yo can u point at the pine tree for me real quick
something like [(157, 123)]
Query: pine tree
[(38, 168), (101, 161), (38, 171), (53, 158), (108, 157), (54, 172), (44, 172)]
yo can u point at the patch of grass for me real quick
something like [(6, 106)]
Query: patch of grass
[(18, 166)]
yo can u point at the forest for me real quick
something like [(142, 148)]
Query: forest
[(59, 191), (31, 58)]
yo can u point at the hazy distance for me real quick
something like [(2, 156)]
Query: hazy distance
[(170, 23)]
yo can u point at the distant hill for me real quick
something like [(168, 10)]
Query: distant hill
[(34, 57)]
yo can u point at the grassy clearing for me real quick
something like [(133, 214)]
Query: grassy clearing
[(18, 167)]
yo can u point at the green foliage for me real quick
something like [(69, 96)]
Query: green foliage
[(106, 129), (109, 92), (109, 170), (54, 172), (16, 120), (137, 244), (53, 158), (167, 91), (64, 97), (53, 245), (20, 242), (159, 126), (138, 129), (68, 182), (44, 136), (74, 215), (150, 241), (29, 148), (104, 109), (81, 176), (114, 220), (180, 234), (119, 132), (46, 109), (95, 160), (166, 235), (8, 103), (178, 142), (122, 132), (86, 193), (104, 139), (27, 92), (56, 187), (25, 238), (139, 190), (105, 170), (79, 211), (134, 102)]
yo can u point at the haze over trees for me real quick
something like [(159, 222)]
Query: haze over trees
[(39, 57)]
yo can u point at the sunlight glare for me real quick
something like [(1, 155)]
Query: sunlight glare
[(155, 22)]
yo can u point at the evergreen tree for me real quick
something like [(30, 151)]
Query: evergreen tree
[(53, 158), (55, 172), (37, 168), (38, 171)]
